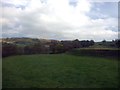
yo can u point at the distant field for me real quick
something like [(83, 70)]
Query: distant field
[(97, 52), (59, 71), (102, 45)]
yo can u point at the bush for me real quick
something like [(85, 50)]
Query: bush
[(8, 49)]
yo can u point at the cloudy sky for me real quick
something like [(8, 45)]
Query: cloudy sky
[(60, 19)]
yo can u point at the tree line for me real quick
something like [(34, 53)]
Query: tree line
[(52, 47)]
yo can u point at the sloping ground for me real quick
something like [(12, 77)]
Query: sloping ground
[(59, 71)]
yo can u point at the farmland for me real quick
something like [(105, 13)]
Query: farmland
[(59, 71)]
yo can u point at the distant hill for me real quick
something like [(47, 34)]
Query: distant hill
[(18, 46), (24, 41)]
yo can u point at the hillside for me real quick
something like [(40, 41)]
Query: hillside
[(24, 41), (18, 46)]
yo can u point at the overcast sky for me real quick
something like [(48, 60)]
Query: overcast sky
[(60, 19)]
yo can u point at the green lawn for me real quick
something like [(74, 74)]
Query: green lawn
[(59, 71)]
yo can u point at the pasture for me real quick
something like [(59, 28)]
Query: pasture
[(59, 71)]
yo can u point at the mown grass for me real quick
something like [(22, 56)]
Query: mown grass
[(59, 71)]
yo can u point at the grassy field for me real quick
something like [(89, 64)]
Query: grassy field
[(59, 71)]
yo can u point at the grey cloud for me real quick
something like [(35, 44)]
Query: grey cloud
[(29, 23)]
